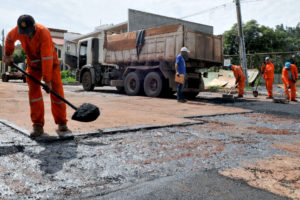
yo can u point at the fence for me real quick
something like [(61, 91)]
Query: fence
[(277, 58)]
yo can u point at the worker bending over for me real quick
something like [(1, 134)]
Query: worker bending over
[(239, 79), (42, 63), (289, 78)]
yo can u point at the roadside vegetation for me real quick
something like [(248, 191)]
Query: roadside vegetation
[(262, 39), (67, 77)]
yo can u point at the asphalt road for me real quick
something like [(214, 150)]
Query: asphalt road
[(181, 162)]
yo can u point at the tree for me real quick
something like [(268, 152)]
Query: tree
[(19, 56), (262, 39)]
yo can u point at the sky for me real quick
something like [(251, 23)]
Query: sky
[(82, 16)]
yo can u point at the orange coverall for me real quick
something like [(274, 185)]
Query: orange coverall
[(239, 77), (43, 63), (289, 78), (268, 71)]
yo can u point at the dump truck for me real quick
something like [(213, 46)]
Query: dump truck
[(143, 62)]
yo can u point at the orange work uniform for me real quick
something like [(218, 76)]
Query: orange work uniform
[(240, 78), (268, 71), (289, 78), (43, 63)]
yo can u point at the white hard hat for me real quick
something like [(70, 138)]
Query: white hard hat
[(267, 58), (185, 49)]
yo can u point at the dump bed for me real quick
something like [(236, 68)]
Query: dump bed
[(163, 44)]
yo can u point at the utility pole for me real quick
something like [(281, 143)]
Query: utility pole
[(242, 49), (2, 63)]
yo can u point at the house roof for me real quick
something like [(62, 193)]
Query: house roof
[(58, 41)]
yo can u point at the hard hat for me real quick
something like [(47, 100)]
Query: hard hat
[(267, 58), (185, 49), (287, 65), (25, 24), (229, 66)]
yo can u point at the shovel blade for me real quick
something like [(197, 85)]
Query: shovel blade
[(86, 113)]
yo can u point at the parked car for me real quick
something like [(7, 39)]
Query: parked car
[(14, 74)]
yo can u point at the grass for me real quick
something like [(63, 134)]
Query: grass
[(67, 77), (215, 88)]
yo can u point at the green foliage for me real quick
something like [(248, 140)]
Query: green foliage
[(19, 56), (67, 77), (262, 39), (215, 88), (66, 73)]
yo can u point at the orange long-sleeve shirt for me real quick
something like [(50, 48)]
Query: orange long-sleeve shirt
[(268, 71), (40, 50), (238, 72), (289, 75)]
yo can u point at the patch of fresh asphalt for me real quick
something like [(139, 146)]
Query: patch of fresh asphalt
[(205, 184), (158, 163)]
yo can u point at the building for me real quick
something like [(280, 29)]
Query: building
[(58, 41)]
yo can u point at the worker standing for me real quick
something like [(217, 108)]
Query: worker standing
[(180, 69), (267, 69), (239, 78), (289, 78), (42, 63)]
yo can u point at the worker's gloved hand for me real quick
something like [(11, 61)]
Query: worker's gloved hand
[(8, 60), (48, 87)]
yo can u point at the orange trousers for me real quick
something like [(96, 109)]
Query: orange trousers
[(241, 86), (36, 102), (290, 95), (269, 86)]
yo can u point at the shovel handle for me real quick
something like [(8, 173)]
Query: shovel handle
[(44, 86), (258, 81)]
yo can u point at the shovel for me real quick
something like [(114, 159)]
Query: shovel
[(229, 95), (85, 113), (255, 92)]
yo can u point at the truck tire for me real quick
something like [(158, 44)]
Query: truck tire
[(133, 84), (153, 84), (5, 78), (87, 81)]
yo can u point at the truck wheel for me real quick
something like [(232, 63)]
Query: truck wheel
[(153, 84), (133, 84), (87, 81), (5, 78)]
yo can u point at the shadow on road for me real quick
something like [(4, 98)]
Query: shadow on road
[(54, 155), (291, 110)]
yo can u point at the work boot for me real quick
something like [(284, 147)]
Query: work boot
[(240, 96), (295, 100), (37, 131), (63, 127)]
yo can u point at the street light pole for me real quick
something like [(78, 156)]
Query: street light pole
[(242, 49)]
